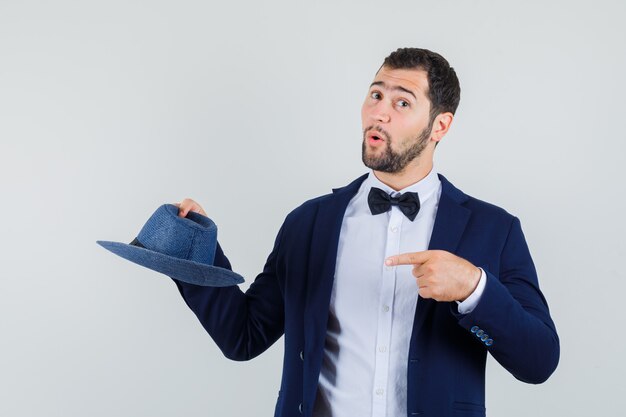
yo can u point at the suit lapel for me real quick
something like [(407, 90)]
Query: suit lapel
[(450, 222), (321, 274), (451, 218), (323, 256)]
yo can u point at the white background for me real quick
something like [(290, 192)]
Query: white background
[(109, 109)]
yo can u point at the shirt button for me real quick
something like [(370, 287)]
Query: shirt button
[(300, 408), (480, 333), (380, 391), (386, 309), (301, 355), (489, 342), (474, 329), (394, 229), (382, 349)]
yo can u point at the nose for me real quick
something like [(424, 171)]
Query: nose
[(380, 113)]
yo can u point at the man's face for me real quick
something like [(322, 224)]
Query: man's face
[(395, 119)]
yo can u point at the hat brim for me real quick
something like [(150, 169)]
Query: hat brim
[(180, 269)]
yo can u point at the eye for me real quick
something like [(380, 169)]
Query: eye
[(375, 95), (403, 103)]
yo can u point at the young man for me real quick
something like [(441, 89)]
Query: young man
[(391, 291)]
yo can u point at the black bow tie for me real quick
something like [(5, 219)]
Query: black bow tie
[(380, 202)]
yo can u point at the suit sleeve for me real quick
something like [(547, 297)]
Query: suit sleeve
[(243, 325), (514, 314)]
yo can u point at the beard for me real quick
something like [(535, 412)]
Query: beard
[(391, 161)]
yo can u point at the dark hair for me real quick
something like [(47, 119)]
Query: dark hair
[(444, 91)]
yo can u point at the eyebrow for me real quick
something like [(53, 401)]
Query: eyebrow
[(395, 87)]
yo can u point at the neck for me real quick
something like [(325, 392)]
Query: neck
[(412, 173)]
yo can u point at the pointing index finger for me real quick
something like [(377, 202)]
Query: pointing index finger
[(411, 258)]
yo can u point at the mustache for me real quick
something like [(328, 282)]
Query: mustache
[(380, 130)]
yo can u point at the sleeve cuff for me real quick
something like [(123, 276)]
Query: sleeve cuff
[(471, 302)]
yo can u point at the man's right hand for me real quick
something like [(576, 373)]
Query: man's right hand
[(187, 205)]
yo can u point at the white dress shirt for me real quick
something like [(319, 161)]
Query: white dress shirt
[(372, 306)]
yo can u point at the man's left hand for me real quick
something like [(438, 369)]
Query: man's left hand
[(440, 275)]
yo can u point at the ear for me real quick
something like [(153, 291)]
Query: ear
[(441, 125)]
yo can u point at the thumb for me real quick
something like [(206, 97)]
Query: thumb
[(182, 209)]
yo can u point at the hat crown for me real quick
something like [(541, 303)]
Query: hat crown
[(192, 238)]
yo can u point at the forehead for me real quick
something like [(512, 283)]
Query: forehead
[(414, 80)]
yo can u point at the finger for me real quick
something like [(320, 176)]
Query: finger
[(179, 209), (418, 271), (411, 258), (184, 208), (425, 292), (189, 205)]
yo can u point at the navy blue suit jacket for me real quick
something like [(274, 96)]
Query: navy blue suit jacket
[(446, 362)]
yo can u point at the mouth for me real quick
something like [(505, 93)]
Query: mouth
[(374, 137)]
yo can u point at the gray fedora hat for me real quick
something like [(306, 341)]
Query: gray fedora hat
[(179, 247)]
